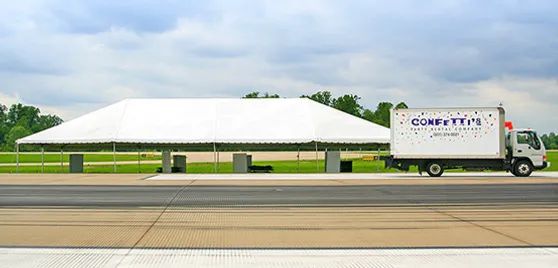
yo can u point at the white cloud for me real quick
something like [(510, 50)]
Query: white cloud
[(530, 103), (8, 100), (427, 54)]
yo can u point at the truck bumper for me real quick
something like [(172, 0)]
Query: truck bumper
[(544, 165)]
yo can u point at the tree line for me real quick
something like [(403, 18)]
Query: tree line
[(348, 103), (550, 140), (21, 120)]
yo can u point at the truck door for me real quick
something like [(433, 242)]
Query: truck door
[(528, 145)]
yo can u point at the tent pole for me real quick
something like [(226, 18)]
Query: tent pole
[(214, 158), (139, 159), (17, 157), (114, 157), (317, 164), (218, 160), (377, 167), (42, 159), (298, 159), (62, 159)]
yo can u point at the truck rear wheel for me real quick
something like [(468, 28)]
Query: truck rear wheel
[(523, 168), (434, 169)]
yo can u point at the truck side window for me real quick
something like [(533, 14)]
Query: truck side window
[(522, 138), (529, 138)]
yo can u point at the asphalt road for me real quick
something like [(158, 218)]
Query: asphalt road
[(225, 196)]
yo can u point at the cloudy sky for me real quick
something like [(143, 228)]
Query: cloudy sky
[(71, 57)]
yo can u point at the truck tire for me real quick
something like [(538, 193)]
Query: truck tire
[(523, 168), (434, 169)]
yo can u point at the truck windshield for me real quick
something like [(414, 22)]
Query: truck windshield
[(530, 138)]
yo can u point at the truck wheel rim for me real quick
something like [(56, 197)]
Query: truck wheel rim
[(435, 169), (524, 168)]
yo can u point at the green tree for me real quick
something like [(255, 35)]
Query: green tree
[(256, 95), (46, 121), (545, 140), (252, 95), (550, 140), (382, 114), (14, 134), (553, 144), (23, 115), (368, 115), (3, 123), (3, 110), (349, 104), (22, 120), (401, 105), (323, 97)]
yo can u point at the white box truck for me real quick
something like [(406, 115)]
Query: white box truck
[(437, 139)]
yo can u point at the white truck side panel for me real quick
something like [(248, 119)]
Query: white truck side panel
[(448, 133)]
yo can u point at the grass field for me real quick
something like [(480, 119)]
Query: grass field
[(55, 158), (359, 166), (278, 166)]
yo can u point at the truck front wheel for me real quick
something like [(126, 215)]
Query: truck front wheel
[(434, 169), (523, 168)]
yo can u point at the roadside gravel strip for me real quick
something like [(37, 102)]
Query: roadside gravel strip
[(273, 179), (345, 176)]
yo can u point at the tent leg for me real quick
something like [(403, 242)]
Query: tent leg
[(317, 166), (114, 157), (218, 161), (17, 157), (139, 160), (42, 159), (61, 159), (298, 160), (377, 167), (214, 158)]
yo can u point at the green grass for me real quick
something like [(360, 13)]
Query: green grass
[(552, 157), (55, 158), (359, 166), (306, 166)]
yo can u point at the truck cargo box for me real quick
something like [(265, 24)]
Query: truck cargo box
[(448, 133)]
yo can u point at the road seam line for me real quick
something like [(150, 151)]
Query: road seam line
[(155, 221), (481, 226)]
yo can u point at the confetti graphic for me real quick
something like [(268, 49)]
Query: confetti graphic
[(446, 132)]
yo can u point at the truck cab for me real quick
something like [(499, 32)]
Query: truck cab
[(526, 152)]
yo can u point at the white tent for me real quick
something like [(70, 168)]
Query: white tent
[(221, 121)]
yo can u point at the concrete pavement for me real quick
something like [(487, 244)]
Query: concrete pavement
[(308, 215), (361, 220), (449, 257), (274, 179)]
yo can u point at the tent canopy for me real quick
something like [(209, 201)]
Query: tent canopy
[(222, 121)]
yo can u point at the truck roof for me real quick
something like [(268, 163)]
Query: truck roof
[(451, 108)]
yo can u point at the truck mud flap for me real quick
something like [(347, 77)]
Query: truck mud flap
[(388, 161)]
